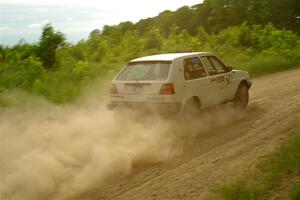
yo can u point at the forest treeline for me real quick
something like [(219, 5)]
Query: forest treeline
[(260, 36)]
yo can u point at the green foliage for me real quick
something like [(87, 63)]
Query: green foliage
[(232, 29), (49, 42), (20, 74), (153, 40), (268, 174), (295, 192), (238, 191)]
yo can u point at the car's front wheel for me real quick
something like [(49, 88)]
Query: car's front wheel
[(242, 96)]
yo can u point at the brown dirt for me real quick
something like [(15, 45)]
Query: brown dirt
[(223, 153)]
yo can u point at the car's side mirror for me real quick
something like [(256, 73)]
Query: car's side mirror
[(229, 68)]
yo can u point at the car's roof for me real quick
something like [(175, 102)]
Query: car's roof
[(167, 57)]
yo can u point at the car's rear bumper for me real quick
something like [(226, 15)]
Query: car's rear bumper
[(160, 108)]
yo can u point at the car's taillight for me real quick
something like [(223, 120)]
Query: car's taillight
[(167, 89), (113, 89)]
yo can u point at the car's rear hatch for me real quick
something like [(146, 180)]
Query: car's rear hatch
[(142, 78)]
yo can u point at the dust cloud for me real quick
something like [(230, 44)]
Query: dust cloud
[(55, 152)]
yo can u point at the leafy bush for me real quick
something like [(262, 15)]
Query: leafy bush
[(255, 48), (21, 74)]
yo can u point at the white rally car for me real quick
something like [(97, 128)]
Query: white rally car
[(178, 83)]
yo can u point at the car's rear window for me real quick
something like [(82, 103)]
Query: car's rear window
[(147, 70)]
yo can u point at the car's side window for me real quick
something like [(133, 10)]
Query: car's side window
[(213, 65), (220, 67), (193, 68), (209, 66)]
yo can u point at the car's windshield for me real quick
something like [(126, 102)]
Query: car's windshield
[(148, 70)]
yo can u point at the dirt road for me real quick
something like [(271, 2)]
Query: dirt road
[(228, 151)]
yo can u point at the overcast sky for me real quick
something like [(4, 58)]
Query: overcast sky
[(75, 18)]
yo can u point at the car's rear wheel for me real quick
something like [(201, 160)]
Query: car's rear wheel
[(242, 96), (192, 108)]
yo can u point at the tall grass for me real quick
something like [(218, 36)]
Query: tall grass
[(269, 173)]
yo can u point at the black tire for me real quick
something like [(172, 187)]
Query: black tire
[(192, 108), (242, 96)]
